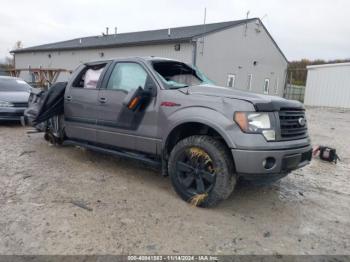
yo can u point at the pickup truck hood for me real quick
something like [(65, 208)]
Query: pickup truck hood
[(260, 102), (14, 97)]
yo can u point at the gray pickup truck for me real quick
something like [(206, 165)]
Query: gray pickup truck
[(166, 113)]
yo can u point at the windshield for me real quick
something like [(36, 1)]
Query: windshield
[(177, 75), (8, 84)]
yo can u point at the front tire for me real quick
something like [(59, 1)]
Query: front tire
[(201, 170)]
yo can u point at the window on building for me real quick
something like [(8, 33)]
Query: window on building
[(266, 86), (177, 47), (276, 86), (231, 80), (249, 82)]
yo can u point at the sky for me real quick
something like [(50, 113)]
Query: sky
[(309, 29)]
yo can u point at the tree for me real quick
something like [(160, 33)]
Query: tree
[(297, 72), (9, 60)]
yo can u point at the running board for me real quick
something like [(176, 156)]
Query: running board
[(115, 152)]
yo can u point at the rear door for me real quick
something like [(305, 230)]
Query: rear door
[(81, 104), (119, 126)]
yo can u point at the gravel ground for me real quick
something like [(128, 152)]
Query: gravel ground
[(66, 200)]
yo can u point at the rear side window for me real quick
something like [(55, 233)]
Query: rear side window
[(89, 76), (127, 76)]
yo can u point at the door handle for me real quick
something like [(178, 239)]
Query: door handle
[(69, 98), (102, 100)]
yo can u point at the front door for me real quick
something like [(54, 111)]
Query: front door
[(119, 126)]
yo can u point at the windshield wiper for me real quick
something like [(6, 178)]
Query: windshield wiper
[(177, 87)]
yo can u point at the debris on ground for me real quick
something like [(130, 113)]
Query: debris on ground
[(325, 153), (81, 204), (27, 152), (151, 247), (33, 131), (127, 221), (196, 200), (267, 234)]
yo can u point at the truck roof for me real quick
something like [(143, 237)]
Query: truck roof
[(131, 58)]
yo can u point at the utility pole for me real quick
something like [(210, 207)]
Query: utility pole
[(204, 29), (246, 24)]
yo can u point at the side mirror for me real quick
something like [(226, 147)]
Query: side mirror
[(135, 97)]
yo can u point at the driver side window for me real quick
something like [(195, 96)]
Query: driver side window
[(127, 76)]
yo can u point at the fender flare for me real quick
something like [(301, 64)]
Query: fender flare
[(202, 115)]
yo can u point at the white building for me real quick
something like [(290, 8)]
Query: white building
[(328, 85), (240, 54)]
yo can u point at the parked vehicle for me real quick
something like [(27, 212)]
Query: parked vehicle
[(167, 113), (14, 94)]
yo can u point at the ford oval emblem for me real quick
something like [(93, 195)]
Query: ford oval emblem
[(302, 121)]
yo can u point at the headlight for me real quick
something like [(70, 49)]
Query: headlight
[(256, 123), (5, 104)]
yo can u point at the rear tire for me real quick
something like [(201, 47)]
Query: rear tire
[(54, 130), (201, 168)]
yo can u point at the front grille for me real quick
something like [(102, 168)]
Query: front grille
[(20, 104), (290, 124)]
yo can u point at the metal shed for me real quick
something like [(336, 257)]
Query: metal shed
[(328, 85)]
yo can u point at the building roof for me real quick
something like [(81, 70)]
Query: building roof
[(328, 65), (177, 34)]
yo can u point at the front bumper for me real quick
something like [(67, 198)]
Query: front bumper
[(250, 163), (11, 113)]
